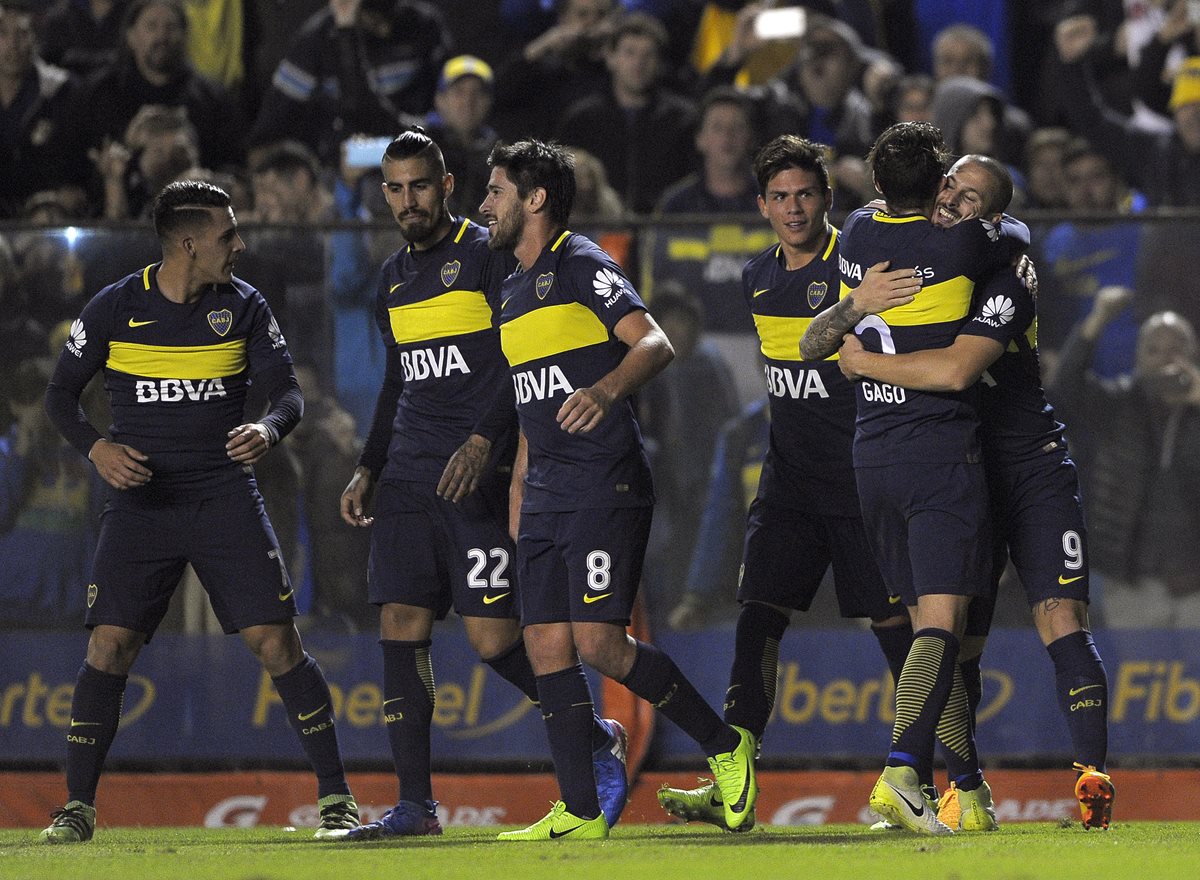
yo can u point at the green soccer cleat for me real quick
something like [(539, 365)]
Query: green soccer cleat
[(339, 814), (931, 798), (701, 804), (897, 798), (734, 775), (559, 824), (74, 823), (976, 811)]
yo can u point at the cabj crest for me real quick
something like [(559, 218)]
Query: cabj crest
[(450, 272), (816, 293), (220, 321), (543, 284)]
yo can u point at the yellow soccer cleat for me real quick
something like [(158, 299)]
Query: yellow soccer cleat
[(559, 824), (897, 799), (734, 775), (1096, 793), (701, 804)]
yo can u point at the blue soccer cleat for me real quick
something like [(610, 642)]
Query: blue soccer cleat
[(406, 819), (608, 764)]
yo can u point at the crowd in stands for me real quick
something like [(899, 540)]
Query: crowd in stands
[(1094, 105)]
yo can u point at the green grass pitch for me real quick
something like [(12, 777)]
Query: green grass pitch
[(1140, 850)]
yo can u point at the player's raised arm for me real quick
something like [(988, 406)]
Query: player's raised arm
[(879, 291), (649, 352)]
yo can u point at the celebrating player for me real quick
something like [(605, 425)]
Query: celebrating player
[(1037, 514), (806, 514), (179, 342), (440, 448), (580, 342)]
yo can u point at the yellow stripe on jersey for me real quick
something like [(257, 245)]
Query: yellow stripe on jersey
[(560, 240), (780, 337), (451, 314), (550, 330), (178, 361), (935, 304), (881, 217), (466, 222)]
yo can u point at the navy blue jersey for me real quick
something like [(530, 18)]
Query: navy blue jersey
[(556, 326), (808, 464), (176, 375), (436, 308), (899, 424), (1018, 424)]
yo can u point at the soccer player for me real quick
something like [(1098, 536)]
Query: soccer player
[(916, 455), (440, 448), (806, 515), (179, 342), (580, 342), (1037, 513)]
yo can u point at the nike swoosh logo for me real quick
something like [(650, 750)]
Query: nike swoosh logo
[(915, 810), (589, 599), (554, 835), (133, 323), (1074, 691), (283, 597), (97, 723), (1065, 581), (312, 713), (395, 287), (893, 600), (393, 700), (488, 600), (757, 292)]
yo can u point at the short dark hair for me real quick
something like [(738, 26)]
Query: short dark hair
[(790, 151), (1002, 191), (731, 95), (908, 162), (672, 297), (413, 143), (137, 7), (531, 164), (288, 157), (1081, 148), (181, 205), (640, 24)]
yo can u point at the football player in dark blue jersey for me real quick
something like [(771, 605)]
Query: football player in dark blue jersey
[(1037, 513), (579, 343), (916, 455), (806, 516), (440, 449), (179, 342)]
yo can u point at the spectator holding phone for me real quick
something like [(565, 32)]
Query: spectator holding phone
[(1141, 459)]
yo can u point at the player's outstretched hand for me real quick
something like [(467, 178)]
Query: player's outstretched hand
[(355, 497), (464, 468), (248, 443), (1028, 274), (881, 290), (119, 465), (848, 357), (583, 410)]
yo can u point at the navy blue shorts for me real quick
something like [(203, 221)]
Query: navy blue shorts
[(787, 552), (1038, 513), (581, 565), (142, 551), (436, 554), (929, 528)]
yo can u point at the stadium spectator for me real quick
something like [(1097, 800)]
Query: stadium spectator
[(82, 36), (682, 410), (563, 64), (595, 199), (635, 128), (270, 27), (152, 68), (1141, 464), (725, 142), (358, 67), (962, 50), (1166, 167), (1043, 167), (975, 118), (183, 487), (159, 144), (1176, 38), (459, 124), (1081, 257), (37, 134), (21, 337)]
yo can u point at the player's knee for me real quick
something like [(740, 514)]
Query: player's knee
[(1056, 618), (113, 650), (605, 649), (491, 637), (277, 647), (405, 623)]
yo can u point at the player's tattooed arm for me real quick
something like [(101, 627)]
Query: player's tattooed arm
[(464, 468), (879, 291)]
